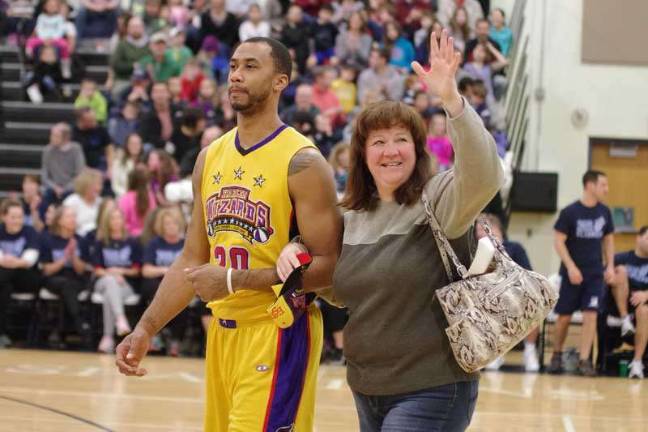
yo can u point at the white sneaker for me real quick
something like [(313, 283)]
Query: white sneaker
[(106, 345), (35, 94), (626, 326), (531, 363), (495, 364), (636, 369)]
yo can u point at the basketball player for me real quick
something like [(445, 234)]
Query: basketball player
[(249, 187)]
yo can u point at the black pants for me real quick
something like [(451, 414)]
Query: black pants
[(177, 325), (15, 281), (68, 284)]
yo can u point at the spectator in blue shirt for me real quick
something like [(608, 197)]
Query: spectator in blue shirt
[(500, 32)]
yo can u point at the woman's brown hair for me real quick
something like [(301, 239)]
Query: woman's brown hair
[(361, 193), (138, 182)]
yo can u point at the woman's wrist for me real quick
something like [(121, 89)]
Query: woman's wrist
[(454, 105)]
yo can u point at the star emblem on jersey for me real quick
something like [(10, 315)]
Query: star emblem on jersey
[(258, 181), (217, 178), (238, 173)]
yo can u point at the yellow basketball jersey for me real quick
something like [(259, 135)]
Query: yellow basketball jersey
[(248, 212)]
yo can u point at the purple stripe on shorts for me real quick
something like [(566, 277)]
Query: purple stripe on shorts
[(290, 373)]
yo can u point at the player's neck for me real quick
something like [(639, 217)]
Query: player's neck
[(254, 128), (588, 201), (640, 254)]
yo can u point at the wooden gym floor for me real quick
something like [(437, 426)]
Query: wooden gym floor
[(49, 391)]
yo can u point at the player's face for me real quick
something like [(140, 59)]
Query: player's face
[(390, 157), (601, 188), (251, 76), (642, 243)]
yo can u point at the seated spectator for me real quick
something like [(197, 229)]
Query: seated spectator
[(64, 267), (19, 249), (51, 28), (117, 263), (175, 89), (156, 126), (88, 246), (324, 98), (126, 158), (459, 28), (190, 81), (61, 163), (500, 32), (339, 161), (446, 9), (130, 50), (138, 202), (324, 35), (186, 136), (179, 53), (207, 102), (295, 34), (423, 48), (402, 52), (422, 34), (486, 61), (380, 78), (325, 136), (126, 123), (220, 24), (228, 121), (152, 18), (32, 201), (303, 103), (159, 254), (353, 45), (479, 94), (162, 170), (304, 123), (44, 81), (70, 29), (422, 104), (188, 161), (138, 91), (481, 36), (159, 63), (255, 25), (630, 292), (438, 142), (85, 200), (91, 97), (94, 139), (345, 89)]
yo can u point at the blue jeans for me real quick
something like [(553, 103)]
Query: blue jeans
[(446, 408)]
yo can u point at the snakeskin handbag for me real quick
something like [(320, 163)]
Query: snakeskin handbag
[(490, 313)]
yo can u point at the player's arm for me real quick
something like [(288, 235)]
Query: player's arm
[(574, 273), (608, 253), (175, 292), (312, 190)]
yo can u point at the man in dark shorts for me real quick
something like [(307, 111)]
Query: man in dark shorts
[(630, 292), (583, 231)]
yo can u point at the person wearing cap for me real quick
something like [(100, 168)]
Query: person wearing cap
[(160, 64)]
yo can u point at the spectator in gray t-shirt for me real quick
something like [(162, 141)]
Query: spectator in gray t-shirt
[(381, 77), (62, 161)]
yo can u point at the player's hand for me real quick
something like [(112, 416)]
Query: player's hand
[(131, 351), (575, 276), (209, 281), (638, 297), (609, 275), (288, 261), (444, 61)]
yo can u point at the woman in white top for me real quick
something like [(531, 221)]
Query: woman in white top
[(85, 200), (254, 26), (125, 162)]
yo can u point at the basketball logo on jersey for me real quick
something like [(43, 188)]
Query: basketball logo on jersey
[(231, 210)]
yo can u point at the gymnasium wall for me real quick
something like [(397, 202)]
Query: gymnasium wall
[(611, 100)]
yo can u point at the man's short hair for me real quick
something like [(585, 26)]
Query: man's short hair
[(643, 230), (592, 176), (282, 61), (383, 52)]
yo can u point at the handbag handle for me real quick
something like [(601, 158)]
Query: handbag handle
[(445, 249)]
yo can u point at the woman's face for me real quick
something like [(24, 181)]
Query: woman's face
[(355, 22), (497, 18), (207, 89), (170, 228), (29, 187), (95, 189), (479, 53), (134, 145), (153, 162), (49, 215), (14, 219), (390, 157), (343, 159), (116, 221), (462, 18), (392, 32)]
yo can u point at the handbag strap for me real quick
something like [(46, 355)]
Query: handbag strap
[(445, 249)]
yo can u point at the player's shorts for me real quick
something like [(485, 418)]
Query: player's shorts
[(261, 378), (586, 297)]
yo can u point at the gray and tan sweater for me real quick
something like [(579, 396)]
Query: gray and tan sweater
[(390, 267)]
